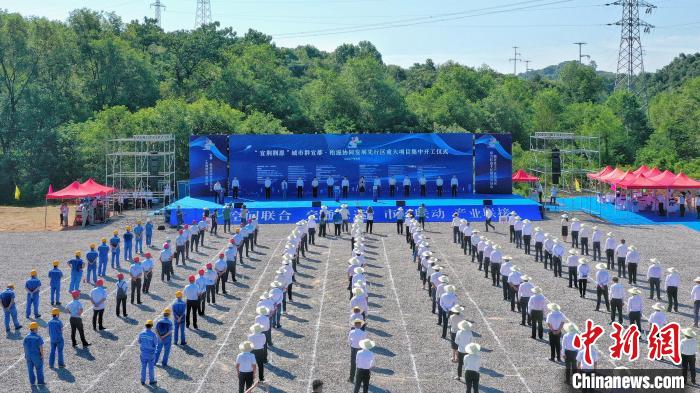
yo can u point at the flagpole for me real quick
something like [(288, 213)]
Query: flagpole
[(46, 208)]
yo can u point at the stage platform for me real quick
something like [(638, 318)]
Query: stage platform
[(438, 209)]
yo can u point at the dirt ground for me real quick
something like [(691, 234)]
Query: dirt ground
[(29, 219)]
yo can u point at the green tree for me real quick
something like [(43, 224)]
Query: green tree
[(580, 83)]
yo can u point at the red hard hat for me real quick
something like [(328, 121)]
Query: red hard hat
[(75, 294), (120, 276), (166, 246), (208, 265), (221, 255), (249, 220), (99, 283), (231, 241), (137, 259), (190, 278), (180, 231), (194, 222), (148, 255), (201, 272), (186, 226)]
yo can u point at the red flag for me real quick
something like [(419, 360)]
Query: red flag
[(50, 189)]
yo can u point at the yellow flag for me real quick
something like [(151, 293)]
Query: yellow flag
[(17, 193), (577, 185)]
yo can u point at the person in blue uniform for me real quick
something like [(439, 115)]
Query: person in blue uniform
[(149, 232), (34, 354), (164, 330), (55, 277), (9, 308), (55, 327), (76, 272), (91, 258), (102, 257), (147, 344), (114, 245), (179, 308), (32, 286), (128, 237), (138, 237)]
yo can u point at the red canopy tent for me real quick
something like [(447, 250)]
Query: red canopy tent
[(652, 172), (93, 186), (638, 182), (684, 182), (613, 176), (641, 169), (89, 188), (601, 172), (520, 176), (666, 178)]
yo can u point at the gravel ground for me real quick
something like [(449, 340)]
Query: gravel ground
[(411, 356)]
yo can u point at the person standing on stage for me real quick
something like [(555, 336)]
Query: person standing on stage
[(268, 185), (217, 192), (314, 187), (423, 182), (283, 187), (392, 186), (330, 182), (454, 184), (438, 184), (235, 185), (553, 194), (345, 184), (540, 191), (406, 186), (488, 214), (361, 186), (300, 187), (376, 187)]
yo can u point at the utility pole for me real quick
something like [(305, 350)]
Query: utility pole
[(203, 16), (158, 5), (630, 60), (515, 59), (580, 55), (527, 65)]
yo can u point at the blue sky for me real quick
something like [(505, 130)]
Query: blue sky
[(471, 32)]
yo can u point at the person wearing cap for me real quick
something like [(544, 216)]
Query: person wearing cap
[(658, 317), (359, 299), (582, 273), (148, 342), (548, 244), (695, 298), (504, 272), (472, 365), (75, 309), (147, 267), (518, 227), (456, 317), (191, 293), (136, 273), (98, 298), (555, 322), (564, 226), (9, 308), (355, 335), (34, 355), (447, 301), (102, 257), (122, 290), (210, 277), (570, 351), (575, 229), (610, 245), (202, 226), (114, 246), (632, 258), (32, 287), (596, 236), (584, 234), (536, 306), (466, 231), (539, 242), (480, 246), (462, 339), (557, 257), (621, 256), (138, 237), (511, 226), (672, 281), (166, 262), (258, 339), (688, 349), (164, 331), (76, 272), (128, 237), (617, 292), (488, 249), (201, 283), (434, 273), (364, 360), (246, 366), (572, 264), (91, 257), (583, 365), (400, 218), (602, 279), (262, 318), (455, 227), (180, 242), (276, 297), (524, 294), (527, 230), (654, 277), (55, 277), (179, 310), (495, 259), (514, 281), (634, 307), (55, 328), (194, 236)]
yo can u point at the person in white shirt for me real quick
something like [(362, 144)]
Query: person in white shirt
[(582, 274), (539, 241), (495, 258), (447, 301), (354, 337), (524, 293), (553, 195), (330, 182), (511, 226), (610, 245), (617, 292), (472, 365), (488, 215), (654, 278), (422, 181), (575, 228), (602, 278), (147, 267), (695, 298), (584, 234), (621, 257), (217, 192), (540, 191), (300, 187), (406, 186), (596, 236), (632, 259), (455, 227), (634, 307), (463, 338), (268, 186), (672, 281), (454, 183), (246, 366), (689, 348), (557, 256), (570, 350), (314, 187), (504, 272), (585, 366), (456, 317), (536, 306), (555, 322), (572, 264), (392, 186), (514, 281), (527, 235), (518, 227), (376, 187), (136, 272), (438, 184), (365, 362), (548, 244), (98, 298), (564, 226), (658, 317)]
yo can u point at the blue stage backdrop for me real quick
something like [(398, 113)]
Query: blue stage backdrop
[(494, 165), (254, 158), (208, 163)]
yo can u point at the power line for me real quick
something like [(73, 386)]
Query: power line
[(158, 5), (203, 15), (515, 59)]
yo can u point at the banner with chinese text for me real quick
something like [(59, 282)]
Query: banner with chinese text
[(493, 163), (208, 163)]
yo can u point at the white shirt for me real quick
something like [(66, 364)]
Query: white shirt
[(438, 182), (539, 237), (536, 302), (495, 256), (634, 303), (575, 226), (582, 271), (514, 278), (657, 317), (268, 183), (454, 321), (654, 271), (300, 183), (472, 362), (422, 181), (595, 237), (377, 182), (568, 342), (220, 265), (527, 229), (258, 340), (392, 181), (505, 268), (610, 243), (263, 320), (621, 250), (695, 292), (555, 318), (673, 280), (97, 295), (632, 257), (448, 300), (462, 339), (525, 289), (191, 292), (689, 346), (594, 356), (454, 181), (235, 183), (406, 181), (602, 277), (364, 359), (572, 261), (617, 291), (355, 336), (136, 270), (245, 362)]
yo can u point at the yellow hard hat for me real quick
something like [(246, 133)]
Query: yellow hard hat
[(178, 294), (55, 311), (149, 323), (56, 263), (138, 222), (116, 232), (33, 326), (128, 227), (92, 245), (33, 273), (104, 240), (77, 253), (166, 311), (238, 230), (11, 286)]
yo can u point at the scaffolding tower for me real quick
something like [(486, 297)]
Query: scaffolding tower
[(141, 168), (579, 155)]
